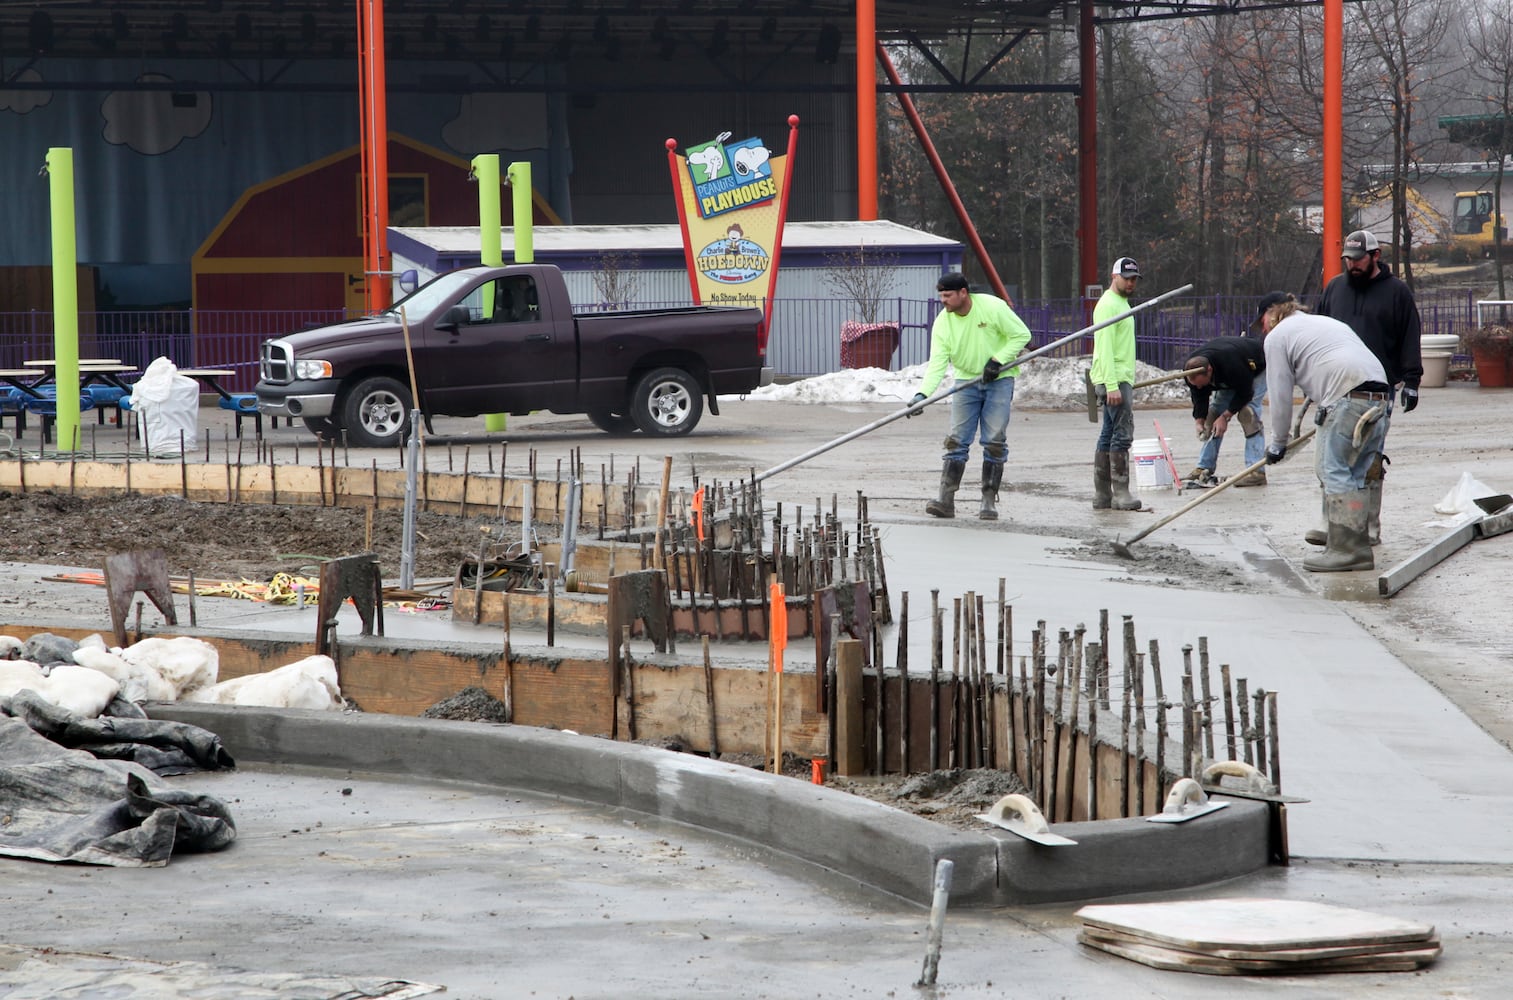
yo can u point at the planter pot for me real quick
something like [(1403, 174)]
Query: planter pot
[(1491, 367), (868, 345)]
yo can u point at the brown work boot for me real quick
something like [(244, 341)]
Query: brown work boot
[(1256, 478)]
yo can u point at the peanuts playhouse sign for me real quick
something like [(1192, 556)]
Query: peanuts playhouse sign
[(732, 200)]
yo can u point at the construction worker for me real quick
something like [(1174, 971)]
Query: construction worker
[(1113, 378), (978, 336), (1329, 363), (1231, 385), (1379, 307)]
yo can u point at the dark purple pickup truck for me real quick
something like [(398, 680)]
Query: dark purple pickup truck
[(505, 340)]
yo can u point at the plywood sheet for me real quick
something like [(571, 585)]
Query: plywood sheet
[(1172, 960), (1280, 956), (1252, 924)]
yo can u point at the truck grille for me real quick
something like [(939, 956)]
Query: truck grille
[(276, 362)]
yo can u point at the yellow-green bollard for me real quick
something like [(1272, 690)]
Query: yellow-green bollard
[(60, 176), (486, 170)]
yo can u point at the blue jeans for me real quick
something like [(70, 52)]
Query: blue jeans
[(1255, 447), (1118, 430), (981, 411), (1341, 464)]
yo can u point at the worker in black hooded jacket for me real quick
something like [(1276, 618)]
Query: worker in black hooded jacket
[(1231, 385), (1379, 307)]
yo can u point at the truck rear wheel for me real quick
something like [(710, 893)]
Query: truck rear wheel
[(376, 413), (612, 423), (667, 402)]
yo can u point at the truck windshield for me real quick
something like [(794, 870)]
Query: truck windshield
[(439, 292)]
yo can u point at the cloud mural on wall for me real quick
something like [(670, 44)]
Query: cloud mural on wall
[(492, 123), (154, 121), (23, 101)]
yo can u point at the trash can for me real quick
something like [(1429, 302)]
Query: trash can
[(868, 345)]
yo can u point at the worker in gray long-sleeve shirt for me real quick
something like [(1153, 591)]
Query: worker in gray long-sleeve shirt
[(1325, 359)]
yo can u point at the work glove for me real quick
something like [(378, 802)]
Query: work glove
[(919, 397), (1410, 398), (994, 366), (1275, 452)]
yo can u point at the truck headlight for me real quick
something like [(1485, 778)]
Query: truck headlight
[(306, 369)]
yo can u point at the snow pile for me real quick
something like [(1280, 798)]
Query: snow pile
[(1043, 384)]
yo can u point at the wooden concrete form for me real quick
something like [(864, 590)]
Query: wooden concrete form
[(585, 614), (550, 688), (461, 495)]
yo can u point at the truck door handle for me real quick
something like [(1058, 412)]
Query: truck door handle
[(538, 338)]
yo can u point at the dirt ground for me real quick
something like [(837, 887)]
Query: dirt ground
[(221, 541)]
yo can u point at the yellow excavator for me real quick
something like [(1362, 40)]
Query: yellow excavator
[(1471, 224)]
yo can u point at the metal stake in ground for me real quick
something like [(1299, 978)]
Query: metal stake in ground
[(1123, 548)]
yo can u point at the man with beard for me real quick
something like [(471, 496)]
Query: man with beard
[(1379, 307)]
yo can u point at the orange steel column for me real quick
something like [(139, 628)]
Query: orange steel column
[(1087, 148), (1334, 164), (373, 110), (866, 111)]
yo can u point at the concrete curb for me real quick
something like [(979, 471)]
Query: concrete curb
[(865, 840)]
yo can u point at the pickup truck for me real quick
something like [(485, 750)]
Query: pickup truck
[(505, 340)]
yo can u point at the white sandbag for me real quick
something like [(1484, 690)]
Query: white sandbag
[(168, 404), (184, 662), (79, 690), (308, 683), (10, 647), (139, 682)]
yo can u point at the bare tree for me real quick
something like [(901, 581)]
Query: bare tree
[(618, 277), (1490, 39), (863, 275)]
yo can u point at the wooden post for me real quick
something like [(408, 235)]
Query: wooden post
[(904, 705), (850, 733), (714, 734), (1229, 713), (1208, 698), (1276, 741), (1243, 700), (935, 657), (1155, 658)]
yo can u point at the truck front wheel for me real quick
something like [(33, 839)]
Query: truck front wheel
[(667, 402), (376, 413)]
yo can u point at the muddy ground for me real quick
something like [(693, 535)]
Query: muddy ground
[(226, 541)]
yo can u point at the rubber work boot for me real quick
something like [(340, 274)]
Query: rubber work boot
[(1256, 478), (1374, 477), (1374, 511), (1119, 481), (992, 478), (950, 482), (1347, 548), (1103, 493), (1319, 535)]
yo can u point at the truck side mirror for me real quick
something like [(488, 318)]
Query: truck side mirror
[(409, 280), (453, 318)]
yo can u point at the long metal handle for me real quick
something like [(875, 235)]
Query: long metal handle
[(1214, 491), (918, 407)]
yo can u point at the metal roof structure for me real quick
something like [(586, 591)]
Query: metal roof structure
[(263, 39)]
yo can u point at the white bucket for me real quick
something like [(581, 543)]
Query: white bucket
[(1148, 464)]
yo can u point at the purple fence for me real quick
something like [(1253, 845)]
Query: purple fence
[(804, 339)]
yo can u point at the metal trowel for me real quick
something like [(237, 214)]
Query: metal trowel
[(1019, 815)]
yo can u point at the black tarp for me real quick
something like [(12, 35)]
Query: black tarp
[(63, 804)]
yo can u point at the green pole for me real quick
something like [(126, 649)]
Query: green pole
[(520, 189), (486, 170), (60, 176)]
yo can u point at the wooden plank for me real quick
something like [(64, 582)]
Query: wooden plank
[(850, 730)]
